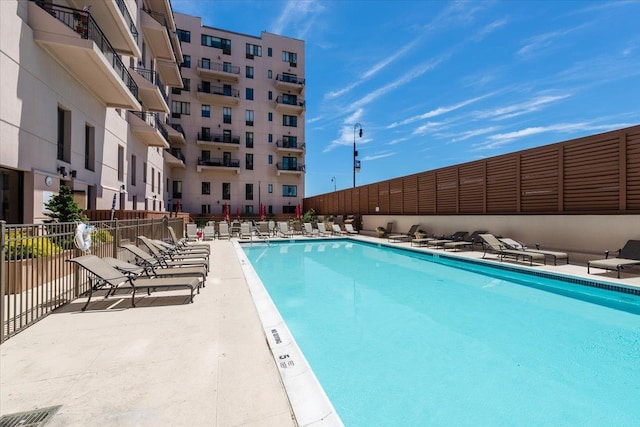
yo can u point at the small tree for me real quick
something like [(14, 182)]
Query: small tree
[(63, 208)]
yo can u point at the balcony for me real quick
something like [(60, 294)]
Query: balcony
[(174, 159), (289, 146), (216, 70), (116, 22), (176, 134), (148, 128), (74, 39), (290, 82), (151, 90), (232, 165), (289, 169), (156, 33), (229, 142), (218, 95), (170, 72), (288, 104)]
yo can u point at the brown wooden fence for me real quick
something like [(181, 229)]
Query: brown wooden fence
[(596, 174)]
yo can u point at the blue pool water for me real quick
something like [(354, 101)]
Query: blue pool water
[(397, 338)]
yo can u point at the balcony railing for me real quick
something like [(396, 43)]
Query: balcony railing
[(154, 78), (154, 118), (178, 127), (290, 101), (219, 90), (230, 163), (176, 153), (290, 79), (218, 137), (281, 143), (128, 19), (286, 167), (216, 66), (83, 23)]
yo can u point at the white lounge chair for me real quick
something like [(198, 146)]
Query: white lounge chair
[(349, 229), (309, 231), (223, 230)]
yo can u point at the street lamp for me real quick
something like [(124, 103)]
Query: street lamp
[(356, 163), (333, 179)]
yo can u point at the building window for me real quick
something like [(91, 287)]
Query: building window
[(270, 96), (205, 134), (178, 108), (270, 116), (153, 180), (159, 183), (249, 139), (289, 141), (226, 191), (249, 118), (176, 192), (290, 57), (253, 50), (291, 121), (289, 191), (144, 172), (226, 136), (64, 135), (249, 94), (205, 209), (205, 156), (120, 163), (289, 164), (270, 159), (206, 111), (269, 74), (270, 138), (89, 147), (217, 42), (186, 84), (248, 161), (249, 72), (248, 209), (226, 115), (206, 188), (248, 191), (269, 51), (133, 170), (186, 63), (183, 35), (270, 188)]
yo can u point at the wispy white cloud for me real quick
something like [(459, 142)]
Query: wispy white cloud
[(438, 111), (543, 42), (378, 156), (297, 16), (498, 140), (514, 110), (429, 127), (488, 29), (463, 136), (347, 132), (397, 141)]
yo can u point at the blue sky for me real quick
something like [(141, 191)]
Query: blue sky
[(437, 83)]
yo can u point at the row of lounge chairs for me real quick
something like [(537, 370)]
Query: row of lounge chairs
[(163, 266)]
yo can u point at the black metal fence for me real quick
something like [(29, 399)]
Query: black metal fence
[(35, 277)]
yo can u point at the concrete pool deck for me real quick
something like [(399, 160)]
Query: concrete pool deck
[(166, 362)]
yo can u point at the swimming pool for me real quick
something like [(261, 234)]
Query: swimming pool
[(400, 338)]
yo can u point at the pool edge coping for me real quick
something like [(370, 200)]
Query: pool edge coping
[(309, 402)]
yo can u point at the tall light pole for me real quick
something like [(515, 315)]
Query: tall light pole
[(356, 163), (333, 179)]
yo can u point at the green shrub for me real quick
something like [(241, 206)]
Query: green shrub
[(101, 236), (22, 247)]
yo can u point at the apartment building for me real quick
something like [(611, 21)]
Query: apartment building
[(85, 103), (241, 112)]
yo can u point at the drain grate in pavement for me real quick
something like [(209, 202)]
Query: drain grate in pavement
[(35, 418)]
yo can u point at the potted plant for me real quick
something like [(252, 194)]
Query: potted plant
[(381, 231)]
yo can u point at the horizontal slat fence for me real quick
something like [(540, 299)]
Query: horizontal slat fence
[(594, 174)]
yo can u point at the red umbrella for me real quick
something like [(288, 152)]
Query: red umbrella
[(226, 212), (298, 211), (262, 215), (238, 212)]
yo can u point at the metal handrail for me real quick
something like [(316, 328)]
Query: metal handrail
[(290, 101), (290, 79), (127, 17), (281, 167), (281, 143), (217, 66), (232, 163), (154, 77), (218, 137), (82, 22), (219, 90)]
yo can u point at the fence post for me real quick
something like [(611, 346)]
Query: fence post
[(116, 238), (135, 238), (2, 280)]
